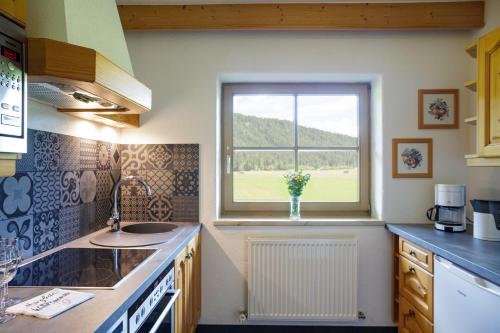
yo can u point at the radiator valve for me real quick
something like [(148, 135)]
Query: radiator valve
[(243, 317)]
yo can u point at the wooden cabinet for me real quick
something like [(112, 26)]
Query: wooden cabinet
[(413, 287), (14, 10), (416, 285), (416, 254), (487, 87), (412, 321), (188, 280)]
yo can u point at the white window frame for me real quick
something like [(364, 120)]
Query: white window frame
[(231, 208)]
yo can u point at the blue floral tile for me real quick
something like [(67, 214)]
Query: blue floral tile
[(88, 154), (104, 184), (186, 183), (69, 224), (70, 188), (22, 228), (27, 162), (115, 156), (134, 208), (70, 153), (160, 208), (186, 157), (160, 157), (185, 209), (103, 155), (103, 213), (47, 151), (45, 231), (134, 157), (88, 186), (16, 195), (46, 191)]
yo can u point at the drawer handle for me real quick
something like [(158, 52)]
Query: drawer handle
[(411, 269), (410, 313), (413, 253)]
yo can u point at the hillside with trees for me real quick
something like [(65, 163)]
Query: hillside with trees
[(250, 131)]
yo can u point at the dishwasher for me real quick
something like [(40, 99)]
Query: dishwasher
[(464, 302)]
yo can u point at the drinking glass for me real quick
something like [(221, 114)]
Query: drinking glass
[(16, 248), (8, 269)]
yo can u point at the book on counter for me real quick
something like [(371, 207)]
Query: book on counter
[(51, 303)]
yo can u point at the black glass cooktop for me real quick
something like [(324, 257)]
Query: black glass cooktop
[(81, 268)]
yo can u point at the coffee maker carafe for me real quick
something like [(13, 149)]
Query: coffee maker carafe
[(448, 213)]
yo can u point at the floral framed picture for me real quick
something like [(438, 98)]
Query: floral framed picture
[(438, 108), (412, 158)]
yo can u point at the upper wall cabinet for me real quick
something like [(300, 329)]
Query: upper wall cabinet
[(487, 51), (14, 10)]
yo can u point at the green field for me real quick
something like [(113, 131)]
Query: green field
[(325, 185)]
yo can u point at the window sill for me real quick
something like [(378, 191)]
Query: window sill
[(267, 222)]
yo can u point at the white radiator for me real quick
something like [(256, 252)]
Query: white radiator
[(302, 279)]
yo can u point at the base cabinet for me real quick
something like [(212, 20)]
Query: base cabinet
[(413, 284), (188, 280)]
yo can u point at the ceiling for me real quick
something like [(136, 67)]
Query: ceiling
[(194, 2)]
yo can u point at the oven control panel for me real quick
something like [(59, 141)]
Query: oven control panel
[(11, 87), (141, 309)]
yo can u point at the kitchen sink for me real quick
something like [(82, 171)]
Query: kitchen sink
[(133, 234), (149, 228)]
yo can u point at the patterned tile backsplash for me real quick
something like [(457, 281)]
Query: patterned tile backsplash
[(172, 173), (62, 188)]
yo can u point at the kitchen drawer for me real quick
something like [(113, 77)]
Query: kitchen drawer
[(416, 254), (417, 286), (411, 320)]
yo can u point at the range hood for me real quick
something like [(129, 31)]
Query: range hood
[(78, 62)]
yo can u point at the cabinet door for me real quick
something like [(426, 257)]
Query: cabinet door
[(180, 283), (416, 285), (15, 10), (411, 320), (488, 93)]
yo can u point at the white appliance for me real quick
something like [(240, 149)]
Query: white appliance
[(486, 219), (464, 302), (448, 212)]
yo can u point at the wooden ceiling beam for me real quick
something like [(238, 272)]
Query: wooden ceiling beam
[(305, 16)]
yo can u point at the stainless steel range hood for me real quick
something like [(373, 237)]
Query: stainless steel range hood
[(78, 61)]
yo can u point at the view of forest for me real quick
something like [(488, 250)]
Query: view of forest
[(250, 131)]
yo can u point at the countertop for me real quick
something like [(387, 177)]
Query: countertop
[(477, 256), (99, 313)]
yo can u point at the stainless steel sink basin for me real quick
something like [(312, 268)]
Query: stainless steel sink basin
[(148, 228)]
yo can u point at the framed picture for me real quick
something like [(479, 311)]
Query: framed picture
[(411, 158), (437, 108)]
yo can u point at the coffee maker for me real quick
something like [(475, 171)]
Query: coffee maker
[(448, 213)]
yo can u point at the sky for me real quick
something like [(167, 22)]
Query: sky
[(332, 113)]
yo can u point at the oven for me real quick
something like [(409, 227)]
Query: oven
[(13, 97), (153, 311)]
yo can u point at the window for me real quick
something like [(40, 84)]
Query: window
[(269, 130)]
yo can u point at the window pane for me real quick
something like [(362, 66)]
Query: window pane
[(263, 121), (327, 120), (334, 175), (258, 175)]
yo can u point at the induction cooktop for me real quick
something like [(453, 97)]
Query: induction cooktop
[(91, 268)]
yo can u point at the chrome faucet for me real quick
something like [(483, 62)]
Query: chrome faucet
[(114, 220)]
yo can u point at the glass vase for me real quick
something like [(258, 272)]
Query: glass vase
[(295, 207)]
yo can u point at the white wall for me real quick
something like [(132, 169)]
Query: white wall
[(183, 69)]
